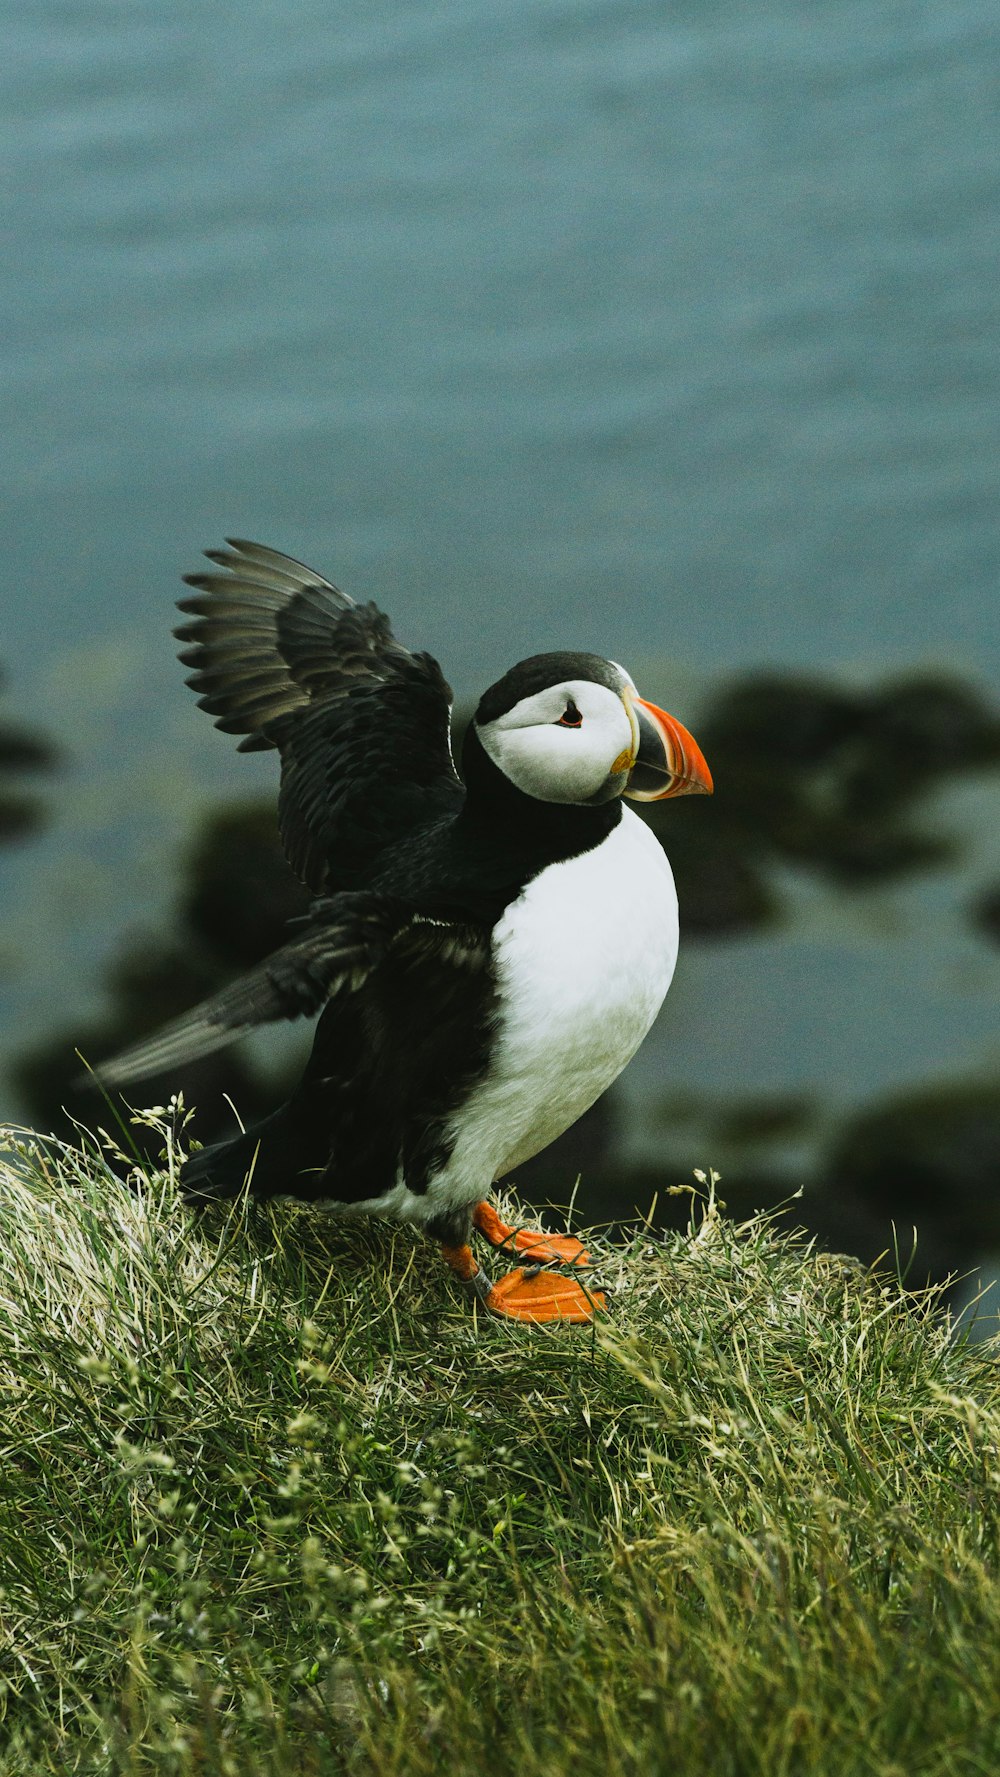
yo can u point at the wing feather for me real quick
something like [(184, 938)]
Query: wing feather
[(345, 941), (284, 659)]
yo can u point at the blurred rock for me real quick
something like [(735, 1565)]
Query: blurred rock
[(931, 1157), (21, 751), (985, 913), (825, 779), (236, 897)]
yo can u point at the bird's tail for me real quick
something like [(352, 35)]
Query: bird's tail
[(221, 1171), (263, 1160)]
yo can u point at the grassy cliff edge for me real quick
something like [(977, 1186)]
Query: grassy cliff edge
[(276, 1500)]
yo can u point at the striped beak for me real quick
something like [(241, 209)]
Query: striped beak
[(668, 760)]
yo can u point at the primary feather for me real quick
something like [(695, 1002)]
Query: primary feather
[(283, 658), (346, 939)]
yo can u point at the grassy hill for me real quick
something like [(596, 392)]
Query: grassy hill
[(275, 1500)]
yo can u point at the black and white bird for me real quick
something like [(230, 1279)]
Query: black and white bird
[(486, 952)]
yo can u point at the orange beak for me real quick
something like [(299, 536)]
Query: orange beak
[(668, 761)]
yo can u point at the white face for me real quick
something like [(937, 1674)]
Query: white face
[(574, 742)]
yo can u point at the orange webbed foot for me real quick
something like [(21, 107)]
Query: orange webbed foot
[(529, 1243), (544, 1249), (530, 1293), (534, 1295)]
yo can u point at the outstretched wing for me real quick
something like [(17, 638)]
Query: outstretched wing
[(345, 940), (362, 725)]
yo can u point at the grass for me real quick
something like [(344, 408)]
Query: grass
[(275, 1500)]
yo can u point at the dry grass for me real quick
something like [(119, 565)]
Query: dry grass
[(275, 1500)]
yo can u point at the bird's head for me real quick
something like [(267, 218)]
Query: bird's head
[(572, 728)]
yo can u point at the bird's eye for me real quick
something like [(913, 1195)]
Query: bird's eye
[(571, 717)]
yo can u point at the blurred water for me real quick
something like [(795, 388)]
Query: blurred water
[(670, 333)]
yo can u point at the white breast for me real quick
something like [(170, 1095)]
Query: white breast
[(583, 958)]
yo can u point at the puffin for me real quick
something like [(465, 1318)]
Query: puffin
[(485, 951)]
